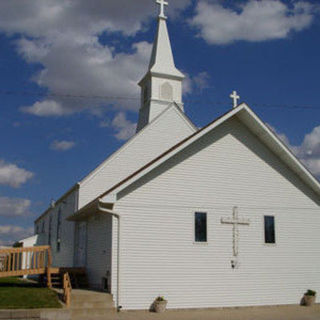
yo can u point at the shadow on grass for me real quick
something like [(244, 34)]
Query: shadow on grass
[(21, 285), (18, 282)]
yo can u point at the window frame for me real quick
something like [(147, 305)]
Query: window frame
[(194, 227), (269, 244)]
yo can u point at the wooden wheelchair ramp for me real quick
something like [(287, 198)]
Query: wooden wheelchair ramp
[(26, 261)]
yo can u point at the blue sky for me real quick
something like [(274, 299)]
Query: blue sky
[(95, 51)]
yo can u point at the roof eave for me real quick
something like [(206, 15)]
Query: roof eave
[(73, 188), (89, 210)]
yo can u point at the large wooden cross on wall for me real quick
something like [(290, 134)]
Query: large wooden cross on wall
[(235, 221)]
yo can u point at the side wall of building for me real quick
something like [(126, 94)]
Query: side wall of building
[(227, 168), (50, 234)]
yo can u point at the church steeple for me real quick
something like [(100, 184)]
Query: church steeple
[(162, 84), (162, 58)]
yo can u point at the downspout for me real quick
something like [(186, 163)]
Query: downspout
[(114, 214)]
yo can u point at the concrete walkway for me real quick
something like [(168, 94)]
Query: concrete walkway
[(252, 313)]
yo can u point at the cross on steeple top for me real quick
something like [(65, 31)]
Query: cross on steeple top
[(235, 97), (162, 3)]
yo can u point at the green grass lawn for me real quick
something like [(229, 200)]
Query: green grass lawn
[(19, 294)]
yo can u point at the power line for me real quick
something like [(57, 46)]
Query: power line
[(115, 98), (60, 95)]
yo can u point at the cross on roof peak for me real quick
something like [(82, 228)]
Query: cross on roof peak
[(162, 3), (235, 97)]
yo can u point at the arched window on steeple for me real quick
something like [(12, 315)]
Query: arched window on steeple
[(167, 91)]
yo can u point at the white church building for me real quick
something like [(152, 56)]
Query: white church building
[(220, 216)]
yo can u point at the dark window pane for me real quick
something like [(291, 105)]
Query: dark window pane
[(200, 227), (269, 229)]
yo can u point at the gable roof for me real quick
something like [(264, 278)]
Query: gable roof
[(254, 123), (251, 120), (171, 106)]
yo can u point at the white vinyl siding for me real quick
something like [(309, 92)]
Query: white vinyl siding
[(64, 257), (167, 130), (222, 170)]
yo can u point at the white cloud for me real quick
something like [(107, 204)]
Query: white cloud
[(251, 21), (14, 207), (201, 81), (313, 165), (38, 18), (282, 136), (63, 145), (45, 108), (86, 68), (187, 84), (12, 175), (309, 151), (198, 82), (311, 144), (125, 129), (63, 37), (10, 234)]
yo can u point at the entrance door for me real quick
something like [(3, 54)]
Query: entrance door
[(81, 244)]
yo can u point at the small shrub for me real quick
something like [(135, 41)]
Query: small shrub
[(311, 293), (160, 299)]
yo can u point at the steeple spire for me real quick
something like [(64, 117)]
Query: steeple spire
[(162, 58), (162, 84)]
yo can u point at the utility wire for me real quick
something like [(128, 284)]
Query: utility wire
[(56, 95), (114, 98)]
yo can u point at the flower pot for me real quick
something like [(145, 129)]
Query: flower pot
[(309, 300), (160, 306)]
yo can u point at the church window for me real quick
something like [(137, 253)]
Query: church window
[(43, 230), (167, 91), (269, 230), (200, 224), (58, 230)]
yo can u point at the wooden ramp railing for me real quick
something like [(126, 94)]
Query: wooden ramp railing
[(26, 261), (67, 288)]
